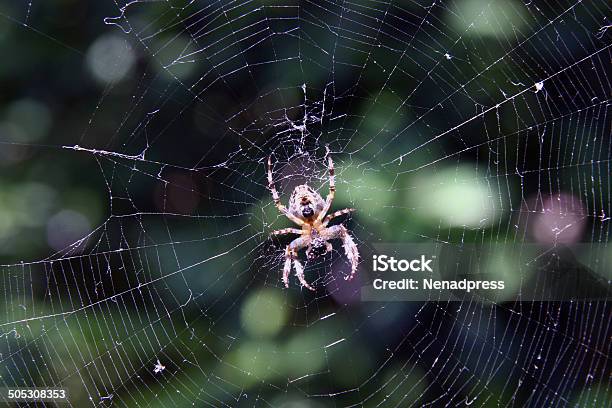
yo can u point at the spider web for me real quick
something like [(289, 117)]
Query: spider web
[(176, 298)]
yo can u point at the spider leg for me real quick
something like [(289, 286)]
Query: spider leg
[(337, 214), (276, 198), (332, 187), (291, 255), (350, 248), (299, 272), (286, 231), (287, 267)]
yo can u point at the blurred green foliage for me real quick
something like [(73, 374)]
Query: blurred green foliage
[(180, 103)]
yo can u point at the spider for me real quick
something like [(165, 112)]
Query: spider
[(308, 210)]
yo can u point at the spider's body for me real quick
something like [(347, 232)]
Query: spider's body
[(308, 210), (305, 203), (318, 247)]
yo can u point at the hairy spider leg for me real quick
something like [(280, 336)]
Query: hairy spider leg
[(299, 272), (286, 231), (291, 256), (350, 248), (276, 198), (337, 214)]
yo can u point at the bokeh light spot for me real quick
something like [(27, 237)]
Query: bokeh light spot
[(263, 313), (254, 360), (488, 18), (305, 354), (32, 117), (12, 151), (457, 197), (110, 58), (561, 220), (65, 228)]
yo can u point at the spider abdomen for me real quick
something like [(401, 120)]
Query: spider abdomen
[(318, 247)]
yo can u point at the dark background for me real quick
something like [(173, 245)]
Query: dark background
[(134, 210)]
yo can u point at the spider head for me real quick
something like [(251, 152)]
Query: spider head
[(305, 203)]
